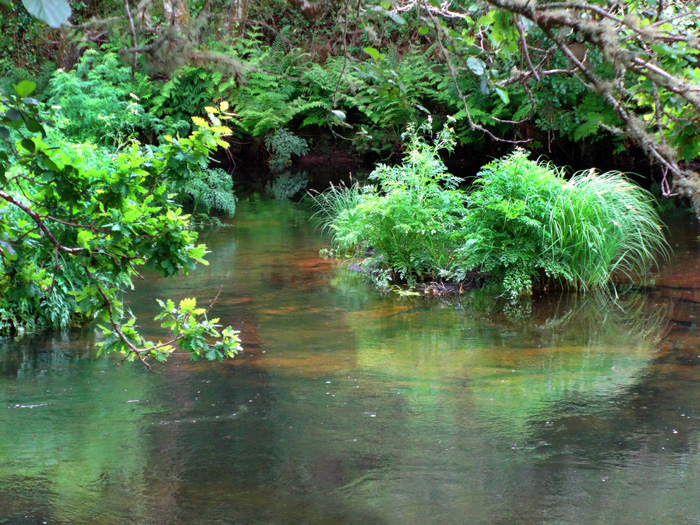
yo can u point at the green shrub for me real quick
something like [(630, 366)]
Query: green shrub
[(412, 219), (187, 92), (526, 223), (98, 101), (508, 210), (77, 219), (521, 223), (210, 188)]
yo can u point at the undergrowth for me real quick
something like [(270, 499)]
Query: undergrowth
[(99, 101)]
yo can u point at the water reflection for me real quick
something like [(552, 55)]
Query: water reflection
[(350, 406)]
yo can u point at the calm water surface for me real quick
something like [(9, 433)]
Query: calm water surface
[(349, 406)]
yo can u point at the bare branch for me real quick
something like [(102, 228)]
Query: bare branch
[(472, 125), (134, 41)]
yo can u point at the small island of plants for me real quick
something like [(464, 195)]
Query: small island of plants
[(522, 224)]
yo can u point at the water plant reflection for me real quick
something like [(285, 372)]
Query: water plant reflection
[(533, 359)]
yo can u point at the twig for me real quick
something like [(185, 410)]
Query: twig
[(134, 41), (342, 71), (523, 45), (40, 223), (472, 125)]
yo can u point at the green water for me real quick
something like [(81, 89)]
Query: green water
[(349, 406)]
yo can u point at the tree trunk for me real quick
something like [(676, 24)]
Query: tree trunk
[(177, 12), (237, 16)]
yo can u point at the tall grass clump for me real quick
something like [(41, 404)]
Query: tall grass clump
[(527, 224), (336, 212), (603, 224)]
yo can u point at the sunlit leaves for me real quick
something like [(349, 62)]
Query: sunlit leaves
[(372, 52), (200, 121), (95, 215), (25, 88), (191, 329)]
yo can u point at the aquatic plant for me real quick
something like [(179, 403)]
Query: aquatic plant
[(412, 217), (336, 213), (526, 223), (522, 223)]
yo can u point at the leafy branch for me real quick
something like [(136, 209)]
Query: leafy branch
[(89, 223)]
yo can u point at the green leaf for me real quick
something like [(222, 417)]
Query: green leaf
[(3, 179), (4, 132), (372, 53), (589, 127), (423, 30), (35, 127), (53, 12), (24, 88), (8, 251), (29, 145), (488, 19), (503, 94), (14, 115)]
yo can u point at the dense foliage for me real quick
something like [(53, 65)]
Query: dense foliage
[(85, 202), (79, 218), (540, 75), (411, 218), (522, 223), (527, 223)]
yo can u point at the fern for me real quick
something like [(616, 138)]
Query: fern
[(188, 91), (282, 145), (211, 188), (97, 100)]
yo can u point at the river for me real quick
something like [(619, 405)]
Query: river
[(352, 406)]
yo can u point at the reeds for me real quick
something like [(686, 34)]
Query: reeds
[(602, 224)]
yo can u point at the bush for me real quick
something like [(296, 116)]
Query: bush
[(522, 222), (76, 221), (412, 219), (211, 188), (99, 101), (526, 223)]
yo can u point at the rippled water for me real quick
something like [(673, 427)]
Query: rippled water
[(349, 406)]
